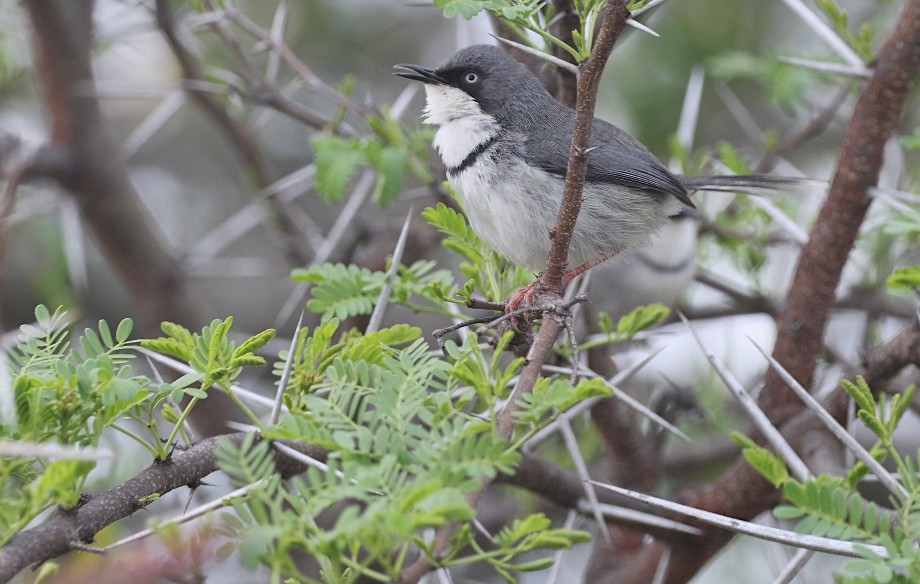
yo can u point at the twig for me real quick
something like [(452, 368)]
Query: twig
[(812, 542), (237, 134), (373, 324)]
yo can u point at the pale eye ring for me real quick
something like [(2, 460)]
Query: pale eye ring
[(471, 77)]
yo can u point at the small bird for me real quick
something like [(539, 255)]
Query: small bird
[(505, 142)]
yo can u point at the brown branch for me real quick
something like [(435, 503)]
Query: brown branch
[(71, 529), (14, 164), (613, 19), (801, 323)]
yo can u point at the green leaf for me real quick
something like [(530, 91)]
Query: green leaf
[(900, 402), (464, 8), (123, 332), (391, 164), (256, 542), (767, 464), (341, 290), (733, 159), (860, 393), (874, 425), (641, 318), (912, 142), (907, 278), (534, 566), (337, 160), (254, 343), (461, 238), (106, 334), (787, 512)]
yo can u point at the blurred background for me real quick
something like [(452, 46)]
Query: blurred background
[(710, 80)]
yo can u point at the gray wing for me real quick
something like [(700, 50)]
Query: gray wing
[(616, 158)]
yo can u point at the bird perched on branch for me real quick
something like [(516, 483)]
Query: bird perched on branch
[(505, 142)]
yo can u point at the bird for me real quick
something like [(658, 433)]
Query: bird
[(505, 143)]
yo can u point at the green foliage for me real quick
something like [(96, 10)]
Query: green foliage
[(484, 269), (405, 444), (211, 353), (343, 291), (785, 84), (641, 318), (216, 361), (629, 325), (534, 16), (903, 225), (390, 150), (830, 506), (743, 229), (860, 42), (912, 141), (64, 396), (908, 277), (765, 462)]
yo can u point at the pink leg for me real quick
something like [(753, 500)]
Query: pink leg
[(526, 294)]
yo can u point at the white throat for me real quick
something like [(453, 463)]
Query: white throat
[(463, 125)]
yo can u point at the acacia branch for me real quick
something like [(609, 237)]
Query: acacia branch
[(802, 322), (71, 529)]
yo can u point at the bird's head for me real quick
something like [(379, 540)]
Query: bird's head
[(477, 80)]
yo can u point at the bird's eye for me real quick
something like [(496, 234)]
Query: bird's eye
[(471, 77)]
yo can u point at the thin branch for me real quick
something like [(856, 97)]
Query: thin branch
[(87, 163), (825, 32), (56, 536), (772, 435), (373, 324), (285, 374), (853, 445), (238, 135), (811, 542)]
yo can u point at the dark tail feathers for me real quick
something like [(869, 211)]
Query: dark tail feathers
[(740, 183)]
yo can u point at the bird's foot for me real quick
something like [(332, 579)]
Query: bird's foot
[(520, 301)]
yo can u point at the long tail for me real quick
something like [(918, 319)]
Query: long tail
[(753, 183)]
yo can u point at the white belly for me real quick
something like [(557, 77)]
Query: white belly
[(514, 210)]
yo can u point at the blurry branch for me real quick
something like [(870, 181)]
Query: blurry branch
[(818, 123), (311, 79), (73, 529), (238, 135), (15, 162), (264, 91), (811, 296), (743, 493), (88, 164), (557, 81)]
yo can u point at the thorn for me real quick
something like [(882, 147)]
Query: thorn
[(639, 26), (79, 545), (565, 65)]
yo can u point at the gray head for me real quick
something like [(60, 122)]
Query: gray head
[(487, 74)]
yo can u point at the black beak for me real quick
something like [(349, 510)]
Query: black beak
[(419, 73)]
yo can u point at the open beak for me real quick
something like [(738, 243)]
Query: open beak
[(419, 73)]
